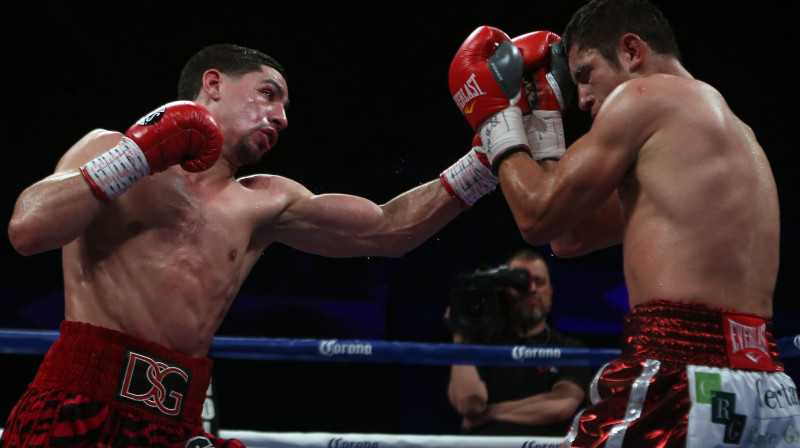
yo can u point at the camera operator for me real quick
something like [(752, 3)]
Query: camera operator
[(499, 400)]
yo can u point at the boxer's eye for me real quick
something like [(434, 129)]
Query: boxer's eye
[(582, 76)]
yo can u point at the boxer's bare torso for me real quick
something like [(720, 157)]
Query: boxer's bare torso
[(700, 205), (165, 260)]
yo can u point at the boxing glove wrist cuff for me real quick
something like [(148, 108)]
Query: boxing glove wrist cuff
[(116, 170), (468, 180), (545, 131), (556, 88), (503, 132)]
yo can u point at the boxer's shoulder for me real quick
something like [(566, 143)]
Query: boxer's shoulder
[(273, 189), (266, 182)]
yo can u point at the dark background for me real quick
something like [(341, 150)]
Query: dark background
[(371, 115)]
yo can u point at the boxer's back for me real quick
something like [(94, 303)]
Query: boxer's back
[(701, 207)]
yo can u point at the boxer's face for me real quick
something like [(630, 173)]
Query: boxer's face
[(595, 77), (253, 110)]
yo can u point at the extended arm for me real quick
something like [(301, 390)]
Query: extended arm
[(338, 225)]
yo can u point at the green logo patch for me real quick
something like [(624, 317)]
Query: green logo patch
[(705, 383)]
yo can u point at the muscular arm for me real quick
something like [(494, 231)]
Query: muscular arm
[(548, 203), (603, 228), (57, 209), (338, 225)]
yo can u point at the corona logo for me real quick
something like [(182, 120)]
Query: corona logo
[(521, 352), (340, 442), (331, 347)]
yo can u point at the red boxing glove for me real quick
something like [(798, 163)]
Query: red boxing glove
[(545, 72), (180, 132), (548, 91), (485, 80), (485, 74)]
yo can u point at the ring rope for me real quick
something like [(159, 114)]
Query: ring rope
[(375, 351), (256, 439), (38, 342)]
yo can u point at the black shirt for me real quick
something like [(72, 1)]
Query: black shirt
[(514, 383)]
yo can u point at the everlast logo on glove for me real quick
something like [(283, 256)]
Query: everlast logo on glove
[(153, 384), (467, 92)]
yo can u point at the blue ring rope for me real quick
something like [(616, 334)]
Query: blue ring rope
[(374, 351)]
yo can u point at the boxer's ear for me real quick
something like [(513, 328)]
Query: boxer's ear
[(631, 52)]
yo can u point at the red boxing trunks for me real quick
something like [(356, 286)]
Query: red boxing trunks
[(691, 376), (103, 388)]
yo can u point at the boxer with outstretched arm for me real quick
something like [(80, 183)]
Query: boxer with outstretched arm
[(671, 173), (157, 236)]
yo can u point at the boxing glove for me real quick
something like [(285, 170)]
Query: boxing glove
[(181, 132), (548, 91), (485, 79), (470, 178)]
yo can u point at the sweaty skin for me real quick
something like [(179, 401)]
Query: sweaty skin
[(166, 259), (669, 171)]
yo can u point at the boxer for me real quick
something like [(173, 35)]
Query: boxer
[(157, 236), (671, 173)]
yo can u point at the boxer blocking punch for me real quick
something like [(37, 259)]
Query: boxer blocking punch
[(538, 62), (548, 90), (543, 95), (668, 171), (485, 79)]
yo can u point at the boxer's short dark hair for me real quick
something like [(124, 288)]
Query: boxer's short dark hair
[(232, 60)]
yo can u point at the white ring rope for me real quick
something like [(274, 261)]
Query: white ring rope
[(254, 439)]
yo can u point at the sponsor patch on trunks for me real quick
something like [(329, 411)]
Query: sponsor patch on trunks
[(742, 408), (154, 384), (746, 341)]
